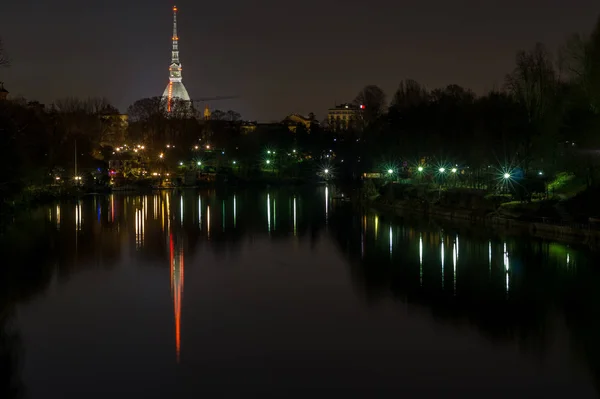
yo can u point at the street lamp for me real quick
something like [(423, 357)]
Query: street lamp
[(198, 163), (390, 171), (326, 171), (442, 170), (268, 161), (420, 168), (506, 175), (454, 170)]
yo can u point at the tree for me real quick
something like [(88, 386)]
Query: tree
[(373, 102), (233, 116), (4, 61), (409, 94), (217, 115), (582, 60), (534, 84)]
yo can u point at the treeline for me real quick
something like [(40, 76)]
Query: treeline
[(545, 117)]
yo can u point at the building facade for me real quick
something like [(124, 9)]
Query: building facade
[(343, 116)]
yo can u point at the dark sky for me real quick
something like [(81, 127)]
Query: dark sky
[(280, 57)]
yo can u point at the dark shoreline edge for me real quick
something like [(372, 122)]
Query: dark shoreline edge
[(569, 234)]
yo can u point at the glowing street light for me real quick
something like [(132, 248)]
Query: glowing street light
[(268, 151), (198, 163), (454, 170), (268, 161), (180, 163), (326, 171), (161, 156), (390, 171), (506, 175), (234, 162), (420, 168), (442, 170)]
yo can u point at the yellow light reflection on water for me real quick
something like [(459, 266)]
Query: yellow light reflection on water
[(208, 221), (78, 216), (57, 217)]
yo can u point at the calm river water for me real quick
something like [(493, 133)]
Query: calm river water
[(287, 294)]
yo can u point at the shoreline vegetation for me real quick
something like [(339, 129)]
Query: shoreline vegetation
[(548, 218)]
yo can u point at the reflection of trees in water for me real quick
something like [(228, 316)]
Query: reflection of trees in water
[(27, 258), (547, 281)]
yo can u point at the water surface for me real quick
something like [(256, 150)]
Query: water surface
[(280, 293)]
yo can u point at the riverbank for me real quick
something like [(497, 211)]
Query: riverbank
[(568, 233)]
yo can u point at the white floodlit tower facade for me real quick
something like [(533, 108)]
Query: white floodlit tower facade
[(175, 89)]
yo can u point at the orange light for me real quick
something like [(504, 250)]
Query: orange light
[(174, 8), (170, 96)]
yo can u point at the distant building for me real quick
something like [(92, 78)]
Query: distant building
[(3, 92), (248, 127), (295, 119), (343, 116)]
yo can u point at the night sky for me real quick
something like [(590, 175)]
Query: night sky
[(279, 56)]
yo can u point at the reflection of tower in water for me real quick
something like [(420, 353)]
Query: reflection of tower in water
[(176, 264)]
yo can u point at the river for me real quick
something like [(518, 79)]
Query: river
[(283, 293)]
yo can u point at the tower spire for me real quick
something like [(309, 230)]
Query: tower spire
[(175, 51), (175, 89)]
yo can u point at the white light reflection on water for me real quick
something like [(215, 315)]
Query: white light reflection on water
[(391, 238), (326, 204), (234, 211), (181, 209), (421, 258), (454, 259), (268, 213), (506, 267), (490, 257), (442, 258), (295, 230)]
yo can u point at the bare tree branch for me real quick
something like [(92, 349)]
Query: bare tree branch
[(4, 61)]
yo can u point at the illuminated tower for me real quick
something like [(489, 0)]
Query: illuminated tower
[(175, 89)]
